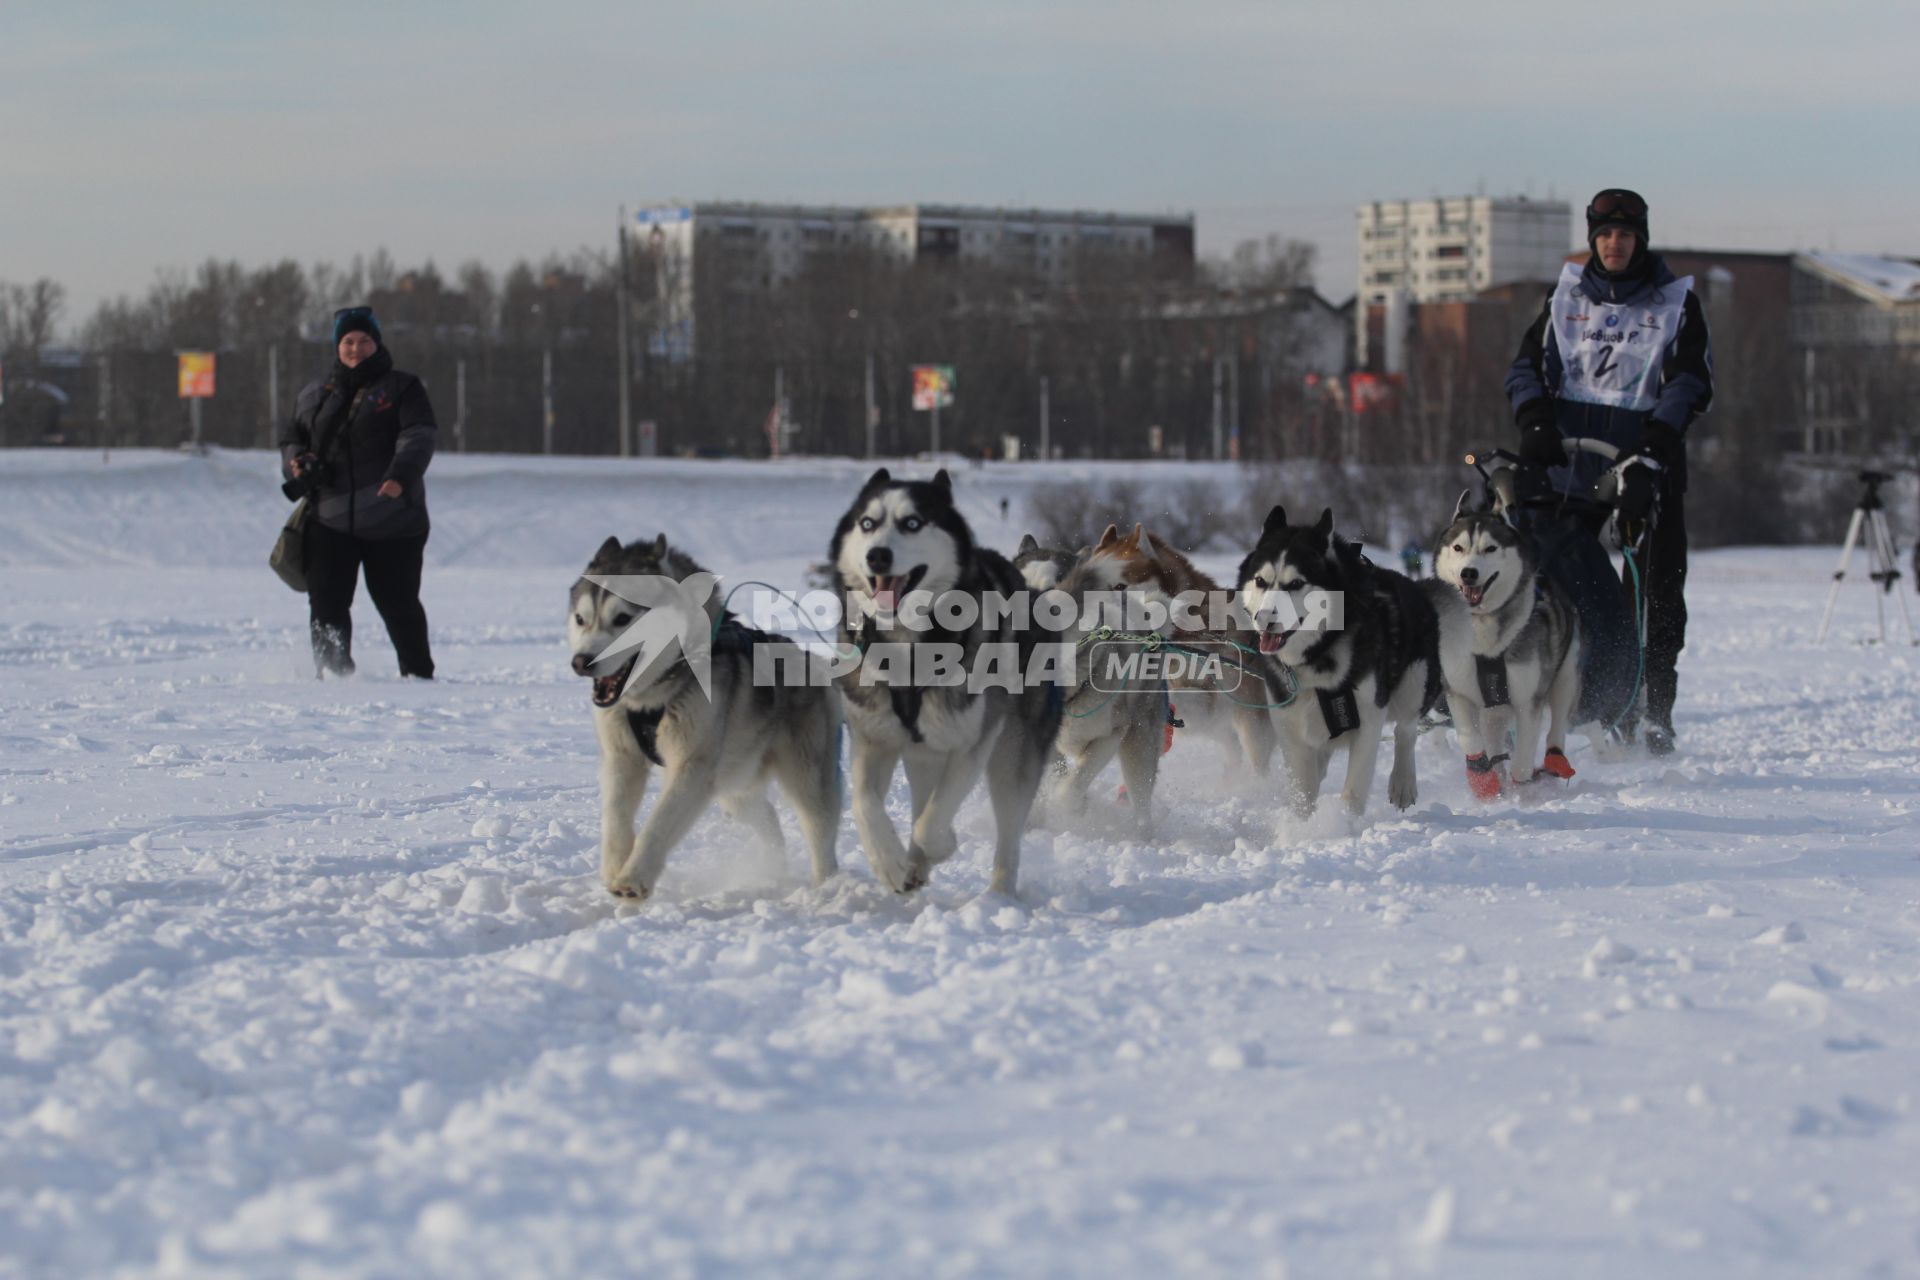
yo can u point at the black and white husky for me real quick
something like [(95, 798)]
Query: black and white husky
[(1361, 641), (1510, 648), (899, 548), (642, 639)]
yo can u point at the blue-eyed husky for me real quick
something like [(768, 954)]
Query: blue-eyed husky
[(899, 548)]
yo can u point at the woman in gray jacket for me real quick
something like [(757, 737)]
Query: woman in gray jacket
[(359, 444)]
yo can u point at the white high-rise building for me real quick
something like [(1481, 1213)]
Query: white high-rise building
[(1451, 248)]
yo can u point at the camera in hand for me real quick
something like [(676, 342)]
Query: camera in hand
[(308, 483)]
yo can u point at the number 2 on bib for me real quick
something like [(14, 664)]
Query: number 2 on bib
[(1604, 365)]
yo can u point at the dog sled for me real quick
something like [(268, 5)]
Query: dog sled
[(1575, 527)]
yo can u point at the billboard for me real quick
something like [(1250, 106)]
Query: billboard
[(663, 213), (196, 375), (1374, 392), (932, 386), (665, 233)]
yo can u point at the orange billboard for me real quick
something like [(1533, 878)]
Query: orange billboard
[(196, 375), (932, 386)]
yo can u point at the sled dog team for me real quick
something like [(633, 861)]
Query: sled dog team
[(1490, 631)]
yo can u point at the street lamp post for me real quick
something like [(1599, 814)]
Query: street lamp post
[(624, 304), (546, 382)]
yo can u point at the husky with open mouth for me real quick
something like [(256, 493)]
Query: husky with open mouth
[(639, 633), (1363, 643), (899, 548), (1510, 649)]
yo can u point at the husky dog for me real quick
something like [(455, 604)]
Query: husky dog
[(1043, 568), (1112, 708), (1510, 648), (901, 546), (1225, 701), (1380, 666), (721, 742)]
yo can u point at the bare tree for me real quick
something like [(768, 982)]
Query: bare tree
[(29, 314), (1273, 262)]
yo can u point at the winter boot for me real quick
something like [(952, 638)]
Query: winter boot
[(332, 651)]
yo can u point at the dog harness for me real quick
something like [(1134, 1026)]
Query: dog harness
[(732, 637), (1492, 671), (646, 727), (1341, 709), (904, 700)]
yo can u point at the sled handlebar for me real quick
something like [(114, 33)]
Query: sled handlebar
[(1572, 444), (1520, 484), (1587, 444)]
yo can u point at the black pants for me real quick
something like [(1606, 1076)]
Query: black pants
[(334, 562), (1663, 574)]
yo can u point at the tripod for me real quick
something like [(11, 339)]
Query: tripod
[(1871, 514)]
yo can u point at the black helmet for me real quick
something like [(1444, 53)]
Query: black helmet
[(1617, 207)]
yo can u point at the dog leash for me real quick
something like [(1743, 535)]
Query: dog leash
[(1152, 644), (800, 610), (1639, 635)]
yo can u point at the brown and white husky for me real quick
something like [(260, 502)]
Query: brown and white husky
[(1224, 700)]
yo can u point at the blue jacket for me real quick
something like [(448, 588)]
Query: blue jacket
[(1686, 383)]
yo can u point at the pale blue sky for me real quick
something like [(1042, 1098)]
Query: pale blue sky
[(142, 137)]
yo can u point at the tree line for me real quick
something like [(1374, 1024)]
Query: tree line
[(1130, 349), (1140, 356)]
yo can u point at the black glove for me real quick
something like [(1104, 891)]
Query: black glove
[(1539, 438), (1635, 500), (1663, 444)]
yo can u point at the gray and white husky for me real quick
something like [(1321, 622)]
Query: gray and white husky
[(1116, 706), (1042, 568), (1379, 666), (1509, 648), (901, 546), (719, 743)]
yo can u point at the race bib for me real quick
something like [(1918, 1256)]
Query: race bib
[(1611, 353)]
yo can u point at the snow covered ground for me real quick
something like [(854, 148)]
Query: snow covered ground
[(304, 979)]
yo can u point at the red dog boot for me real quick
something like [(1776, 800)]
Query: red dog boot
[(1173, 722), (1483, 775), (1557, 764)]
